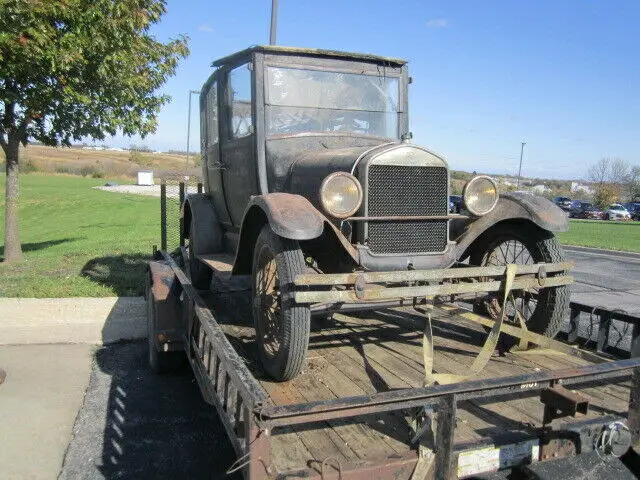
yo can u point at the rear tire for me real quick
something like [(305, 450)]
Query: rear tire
[(546, 316), (282, 326)]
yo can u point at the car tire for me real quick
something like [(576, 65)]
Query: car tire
[(547, 316), (282, 326)]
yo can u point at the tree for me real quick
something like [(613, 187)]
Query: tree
[(72, 69)]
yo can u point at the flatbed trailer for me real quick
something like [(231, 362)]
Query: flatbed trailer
[(360, 408)]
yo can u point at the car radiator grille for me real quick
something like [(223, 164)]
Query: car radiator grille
[(407, 190)]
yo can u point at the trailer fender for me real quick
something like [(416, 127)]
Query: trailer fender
[(511, 207), (198, 206), (289, 216), (164, 290)]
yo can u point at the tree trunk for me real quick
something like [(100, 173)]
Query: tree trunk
[(12, 248)]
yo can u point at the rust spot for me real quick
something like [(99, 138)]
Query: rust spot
[(3, 375)]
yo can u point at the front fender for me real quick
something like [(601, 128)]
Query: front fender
[(289, 216), (510, 207)]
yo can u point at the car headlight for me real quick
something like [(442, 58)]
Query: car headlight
[(480, 195), (341, 194)]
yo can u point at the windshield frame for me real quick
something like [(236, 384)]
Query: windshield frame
[(333, 66)]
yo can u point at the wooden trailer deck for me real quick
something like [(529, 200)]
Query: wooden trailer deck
[(379, 351)]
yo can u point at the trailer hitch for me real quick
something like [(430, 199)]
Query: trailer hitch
[(560, 402)]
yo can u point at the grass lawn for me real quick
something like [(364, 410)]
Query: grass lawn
[(603, 234), (78, 241)]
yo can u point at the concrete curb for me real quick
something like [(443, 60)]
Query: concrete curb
[(601, 251), (96, 321)]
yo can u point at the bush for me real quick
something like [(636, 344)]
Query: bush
[(28, 167), (136, 156), (91, 171), (64, 170)]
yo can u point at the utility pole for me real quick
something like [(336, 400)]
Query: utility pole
[(274, 22), (191, 92), (520, 169)]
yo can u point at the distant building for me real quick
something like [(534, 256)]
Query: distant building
[(577, 187), (540, 189)]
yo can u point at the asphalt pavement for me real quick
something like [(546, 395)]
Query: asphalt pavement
[(135, 424), (610, 279)]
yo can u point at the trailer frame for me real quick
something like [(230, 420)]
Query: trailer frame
[(249, 420)]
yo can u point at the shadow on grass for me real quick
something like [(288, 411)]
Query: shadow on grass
[(32, 247), (124, 274)]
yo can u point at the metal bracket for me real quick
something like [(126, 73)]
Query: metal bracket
[(560, 402)]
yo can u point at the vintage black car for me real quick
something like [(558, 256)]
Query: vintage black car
[(313, 189)]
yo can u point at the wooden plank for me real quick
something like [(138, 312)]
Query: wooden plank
[(321, 442)]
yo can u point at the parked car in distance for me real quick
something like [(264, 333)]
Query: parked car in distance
[(563, 202), (587, 211), (617, 212), (456, 203), (634, 210)]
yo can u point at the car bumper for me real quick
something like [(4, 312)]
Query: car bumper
[(364, 287)]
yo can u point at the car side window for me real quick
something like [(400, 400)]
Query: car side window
[(211, 112), (239, 97)]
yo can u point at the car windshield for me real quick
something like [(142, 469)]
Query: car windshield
[(300, 100), (616, 207)]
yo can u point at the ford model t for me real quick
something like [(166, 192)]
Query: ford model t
[(313, 190)]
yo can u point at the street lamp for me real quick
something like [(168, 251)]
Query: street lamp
[(191, 92), (520, 169)]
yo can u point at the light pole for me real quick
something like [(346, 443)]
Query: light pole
[(274, 22), (520, 168), (191, 92)]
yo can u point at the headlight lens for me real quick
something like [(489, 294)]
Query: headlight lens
[(480, 195), (341, 194)]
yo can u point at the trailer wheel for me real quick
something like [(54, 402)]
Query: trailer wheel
[(200, 238), (543, 310), (282, 327), (160, 362)]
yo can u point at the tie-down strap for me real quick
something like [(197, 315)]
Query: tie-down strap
[(487, 349)]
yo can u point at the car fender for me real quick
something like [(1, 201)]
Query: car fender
[(199, 207), (510, 207), (289, 216)]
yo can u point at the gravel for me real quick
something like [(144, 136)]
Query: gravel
[(149, 190)]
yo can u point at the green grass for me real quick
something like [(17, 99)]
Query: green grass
[(603, 234), (79, 241)]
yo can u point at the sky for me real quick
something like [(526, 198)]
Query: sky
[(562, 75)]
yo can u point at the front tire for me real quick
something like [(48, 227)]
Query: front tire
[(282, 326), (543, 310)]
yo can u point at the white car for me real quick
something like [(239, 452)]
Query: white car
[(617, 212)]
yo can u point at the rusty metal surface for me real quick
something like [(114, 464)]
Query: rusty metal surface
[(251, 390), (423, 291), (427, 275), (3, 375), (538, 210), (560, 402), (406, 218), (313, 52), (397, 468)]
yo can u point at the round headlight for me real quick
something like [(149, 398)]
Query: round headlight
[(480, 195), (341, 194)]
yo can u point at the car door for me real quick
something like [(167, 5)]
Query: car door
[(210, 147), (237, 146)]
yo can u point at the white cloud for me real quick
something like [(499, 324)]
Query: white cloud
[(438, 23), (205, 28)]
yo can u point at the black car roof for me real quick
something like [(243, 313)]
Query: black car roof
[(310, 52)]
